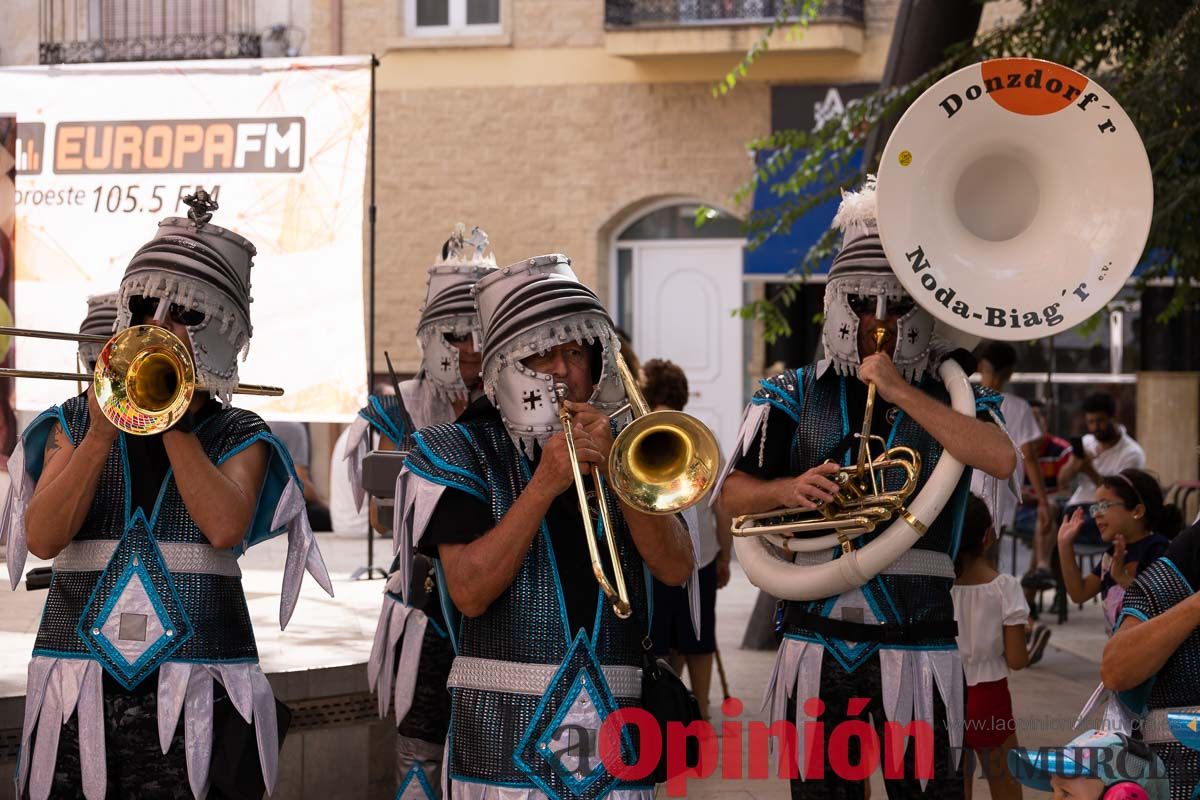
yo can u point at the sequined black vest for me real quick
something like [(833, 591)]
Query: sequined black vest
[(135, 614), (818, 406), (492, 732)]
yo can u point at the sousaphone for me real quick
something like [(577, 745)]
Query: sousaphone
[(1014, 201)]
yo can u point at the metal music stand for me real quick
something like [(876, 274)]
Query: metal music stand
[(379, 471)]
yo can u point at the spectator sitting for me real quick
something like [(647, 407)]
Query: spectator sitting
[(1052, 454), (294, 436), (1106, 450), (991, 613), (1138, 528), (671, 627)]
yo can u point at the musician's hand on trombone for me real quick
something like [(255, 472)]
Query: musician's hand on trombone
[(554, 468), (809, 490), (100, 426), (880, 369), (595, 423)]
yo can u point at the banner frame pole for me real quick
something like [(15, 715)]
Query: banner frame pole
[(370, 571)]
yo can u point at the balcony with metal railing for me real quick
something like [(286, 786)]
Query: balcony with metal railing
[(658, 28), (676, 13), (87, 31)]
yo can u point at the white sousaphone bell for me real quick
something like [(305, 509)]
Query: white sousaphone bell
[(1014, 201)]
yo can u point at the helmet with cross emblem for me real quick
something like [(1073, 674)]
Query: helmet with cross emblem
[(528, 308), (448, 315)]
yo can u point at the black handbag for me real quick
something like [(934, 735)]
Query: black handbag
[(667, 699)]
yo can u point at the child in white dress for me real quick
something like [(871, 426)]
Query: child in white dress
[(991, 611)]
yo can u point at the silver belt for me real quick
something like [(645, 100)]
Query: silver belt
[(489, 675), (94, 555), (1155, 727), (929, 563)]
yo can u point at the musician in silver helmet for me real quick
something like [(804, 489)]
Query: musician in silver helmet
[(412, 652), (145, 656), (542, 657), (1151, 662), (101, 320), (892, 641)]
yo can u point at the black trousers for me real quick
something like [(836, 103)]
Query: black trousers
[(429, 717), (838, 689), (137, 768)]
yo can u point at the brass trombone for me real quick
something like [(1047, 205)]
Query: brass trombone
[(144, 378), (661, 463), (861, 503)]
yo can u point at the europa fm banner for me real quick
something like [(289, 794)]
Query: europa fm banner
[(105, 151)]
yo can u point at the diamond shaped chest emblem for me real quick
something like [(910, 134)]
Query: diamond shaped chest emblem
[(130, 623), (560, 749), (571, 745), (134, 620)]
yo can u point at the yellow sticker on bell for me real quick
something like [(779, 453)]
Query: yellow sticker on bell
[(905, 158)]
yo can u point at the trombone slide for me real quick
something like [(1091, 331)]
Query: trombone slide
[(618, 596)]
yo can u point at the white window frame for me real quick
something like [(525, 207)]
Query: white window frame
[(458, 22)]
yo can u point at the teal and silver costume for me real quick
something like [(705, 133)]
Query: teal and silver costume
[(140, 593), (412, 652)]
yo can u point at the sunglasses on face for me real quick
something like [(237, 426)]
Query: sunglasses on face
[(867, 304), (142, 309), (1101, 508)]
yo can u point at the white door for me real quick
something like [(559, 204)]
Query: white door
[(684, 295)]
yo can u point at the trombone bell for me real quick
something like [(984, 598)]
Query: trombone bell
[(663, 462), (144, 380), (154, 380), (663, 453)]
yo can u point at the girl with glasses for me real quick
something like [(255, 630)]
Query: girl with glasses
[(1137, 526)]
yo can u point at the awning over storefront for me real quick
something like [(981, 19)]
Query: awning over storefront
[(799, 108)]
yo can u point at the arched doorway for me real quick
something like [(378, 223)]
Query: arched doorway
[(675, 288)]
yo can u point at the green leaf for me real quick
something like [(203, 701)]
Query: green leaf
[(797, 14)]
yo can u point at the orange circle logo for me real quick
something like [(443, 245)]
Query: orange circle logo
[(905, 158), (1030, 86)]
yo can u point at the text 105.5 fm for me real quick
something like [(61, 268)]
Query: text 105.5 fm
[(132, 198)]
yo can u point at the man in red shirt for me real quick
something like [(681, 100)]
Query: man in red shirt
[(1053, 453)]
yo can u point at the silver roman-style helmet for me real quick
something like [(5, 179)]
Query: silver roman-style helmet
[(193, 265), (861, 270), (449, 310), (528, 308), (101, 320)]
